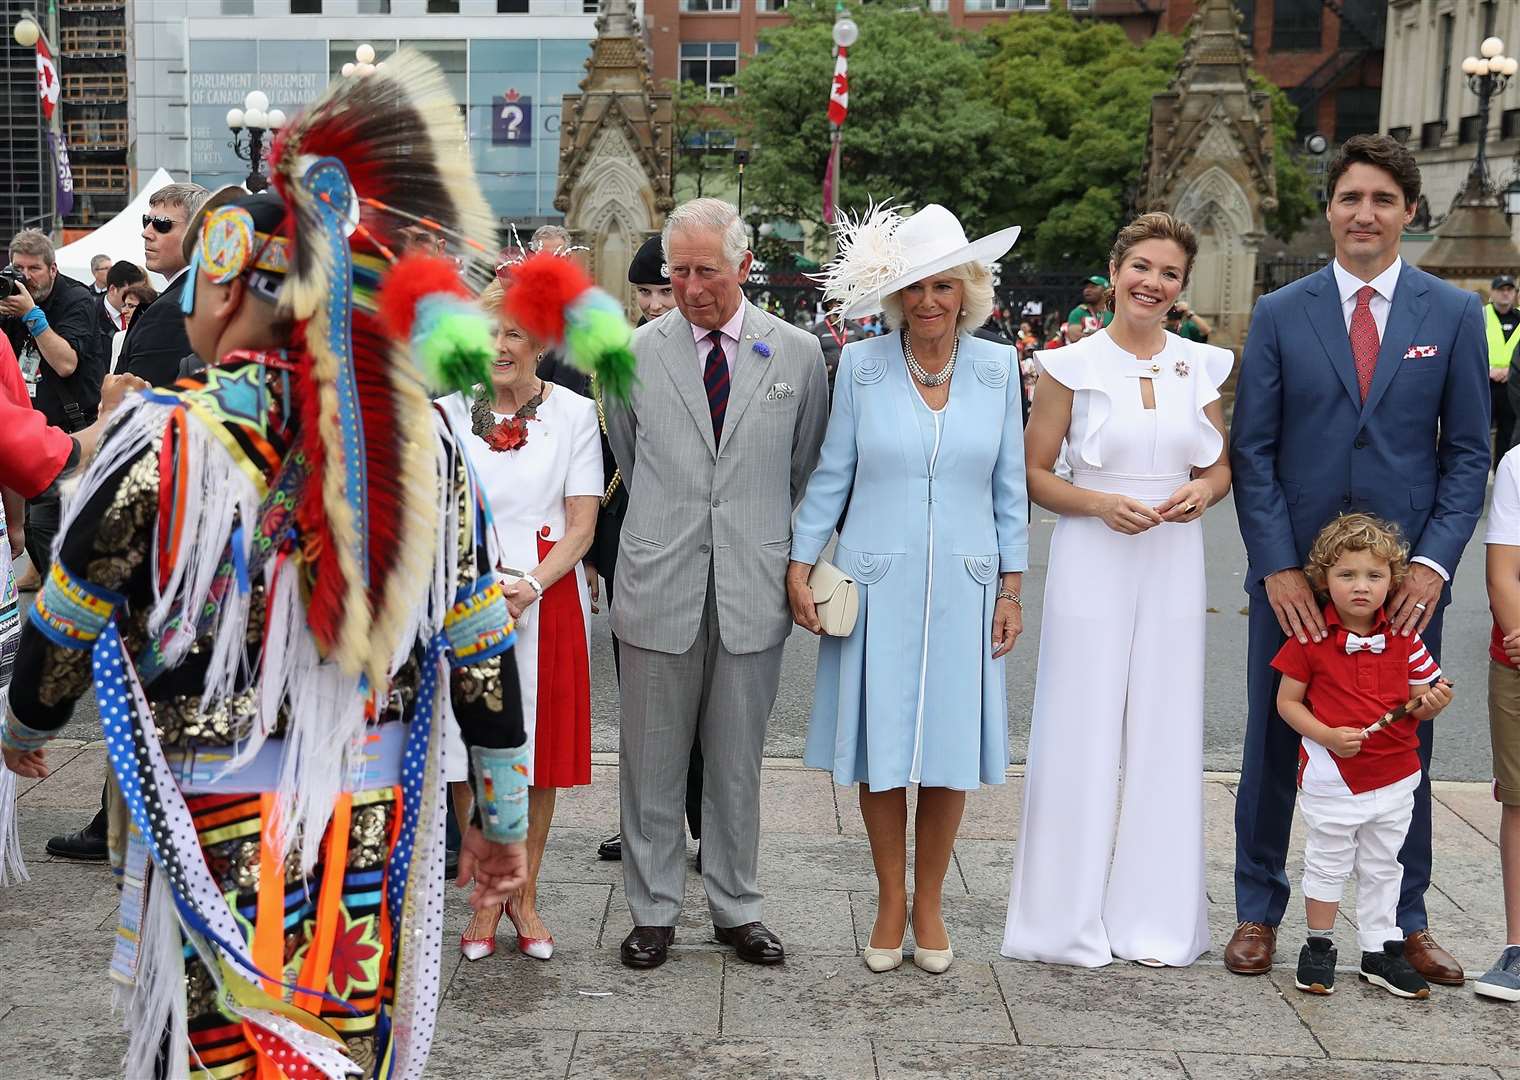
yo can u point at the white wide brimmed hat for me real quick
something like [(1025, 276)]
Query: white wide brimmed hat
[(882, 251)]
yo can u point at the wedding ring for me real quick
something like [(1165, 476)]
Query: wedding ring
[(1419, 606), (1189, 508)]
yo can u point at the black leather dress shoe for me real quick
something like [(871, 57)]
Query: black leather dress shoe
[(86, 845), (647, 946), (611, 848), (752, 942)]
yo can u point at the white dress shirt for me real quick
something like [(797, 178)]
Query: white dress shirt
[(1382, 299), (731, 332), (1385, 283)]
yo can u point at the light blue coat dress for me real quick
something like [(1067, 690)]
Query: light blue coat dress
[(936, 511)]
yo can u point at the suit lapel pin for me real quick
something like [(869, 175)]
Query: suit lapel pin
[(1181, 368), (763, 349)]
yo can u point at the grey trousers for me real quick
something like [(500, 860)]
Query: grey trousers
[(666, 699)]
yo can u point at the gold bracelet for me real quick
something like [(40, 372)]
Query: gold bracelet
[(1009, 594)]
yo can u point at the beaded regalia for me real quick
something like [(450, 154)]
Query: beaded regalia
[(278, 578)]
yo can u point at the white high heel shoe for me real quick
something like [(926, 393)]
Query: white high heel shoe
[(934, 961), (882, 960)]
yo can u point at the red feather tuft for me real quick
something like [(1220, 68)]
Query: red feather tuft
[(412, 278), (539, 291)]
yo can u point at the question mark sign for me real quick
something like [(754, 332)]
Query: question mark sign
[(513, 115)]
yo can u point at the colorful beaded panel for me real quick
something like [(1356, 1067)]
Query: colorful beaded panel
[(71, 612), (15, 735), (501, 787), (479, 626)]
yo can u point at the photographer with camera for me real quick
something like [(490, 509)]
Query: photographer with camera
[(51, 325)]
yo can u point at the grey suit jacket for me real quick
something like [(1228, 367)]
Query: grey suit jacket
[(693, 504)]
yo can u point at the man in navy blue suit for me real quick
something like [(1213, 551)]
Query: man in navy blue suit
[(1364, 387)]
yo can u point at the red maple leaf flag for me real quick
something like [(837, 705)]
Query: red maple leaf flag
[(839, 92), (47, 79)]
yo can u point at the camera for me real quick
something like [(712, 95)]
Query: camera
[(11, 279)]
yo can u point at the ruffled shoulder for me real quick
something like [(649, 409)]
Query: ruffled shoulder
[(1211, 368), (1075, 367)]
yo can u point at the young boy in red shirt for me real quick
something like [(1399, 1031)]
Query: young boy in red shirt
[(1356, 784)]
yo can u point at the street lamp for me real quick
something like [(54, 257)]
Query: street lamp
[(256, 118), (1487, 75), (27, 32), (1512, 198), (363, 62)]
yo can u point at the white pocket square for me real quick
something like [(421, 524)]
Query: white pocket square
[(779, 391), (1416, 352)]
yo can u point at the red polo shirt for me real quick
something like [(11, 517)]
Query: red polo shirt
[(1352, 689)]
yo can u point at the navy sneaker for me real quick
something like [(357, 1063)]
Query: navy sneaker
[(1316, 967), (1502, 981), (1390, 970)]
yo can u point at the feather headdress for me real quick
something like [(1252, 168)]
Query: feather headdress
[(369, 159), (553, 299), (870, 254)]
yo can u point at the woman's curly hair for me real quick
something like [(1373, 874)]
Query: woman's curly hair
[(1356, 532)]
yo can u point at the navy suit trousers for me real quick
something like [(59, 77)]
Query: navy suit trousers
[(1269, 783)]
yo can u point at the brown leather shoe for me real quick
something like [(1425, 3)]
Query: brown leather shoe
[(1430, 960), (1250, 949)]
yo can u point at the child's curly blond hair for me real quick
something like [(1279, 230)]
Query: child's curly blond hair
[(1357, 532)]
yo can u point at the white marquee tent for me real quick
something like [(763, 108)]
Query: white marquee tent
[(120, 238)]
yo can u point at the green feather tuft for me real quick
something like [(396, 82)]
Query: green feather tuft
[(456, 350), (597, 341)]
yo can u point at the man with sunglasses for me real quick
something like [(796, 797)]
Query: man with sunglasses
[(156, 342)]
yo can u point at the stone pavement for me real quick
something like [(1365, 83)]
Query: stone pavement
[(822, 1014)]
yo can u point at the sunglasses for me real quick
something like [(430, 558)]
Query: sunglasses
[(161, 225)]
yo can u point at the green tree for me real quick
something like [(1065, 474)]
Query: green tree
[(921, 128), (1076, 104), (1296, 201)]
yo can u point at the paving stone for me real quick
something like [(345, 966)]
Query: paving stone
[(60, 965), (803, 998), (798, 801), (683, 996), (38, 1047), (57, 758), (799, 861), (962, 1061), (481, 1042), (74, 783), (986, 866), (1243, 1067), (818, 920), (571, 857), (606, 1056), (1362, 1021), (1129, 1006), (1473, 803), (590, 806)]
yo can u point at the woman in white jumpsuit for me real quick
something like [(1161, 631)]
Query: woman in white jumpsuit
[(1110, 853)]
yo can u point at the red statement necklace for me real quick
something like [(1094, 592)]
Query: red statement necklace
[(510, 433)]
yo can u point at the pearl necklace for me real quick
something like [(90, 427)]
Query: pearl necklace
[(917, 369)]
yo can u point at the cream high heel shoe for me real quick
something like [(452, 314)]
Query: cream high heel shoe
[(934, 961), (882, 960)]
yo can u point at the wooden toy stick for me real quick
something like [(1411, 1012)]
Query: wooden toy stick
[(1393, 715)]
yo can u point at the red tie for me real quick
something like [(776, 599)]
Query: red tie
[(122, 318), (1364, 339)]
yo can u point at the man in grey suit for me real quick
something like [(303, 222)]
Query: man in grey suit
[(715, 444)]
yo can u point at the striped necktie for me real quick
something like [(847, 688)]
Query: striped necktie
[(715, 377)]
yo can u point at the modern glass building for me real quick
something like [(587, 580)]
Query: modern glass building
[(510, 71)]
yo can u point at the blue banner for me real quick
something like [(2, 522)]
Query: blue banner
[(65, 174)]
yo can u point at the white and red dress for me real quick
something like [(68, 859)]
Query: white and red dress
[(527, 488)]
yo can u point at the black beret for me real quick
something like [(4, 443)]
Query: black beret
[(648, 266)]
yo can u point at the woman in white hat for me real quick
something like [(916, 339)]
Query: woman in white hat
[(924, 462), (1135, 412)]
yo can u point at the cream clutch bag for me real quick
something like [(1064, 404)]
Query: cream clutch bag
[(836, 597)]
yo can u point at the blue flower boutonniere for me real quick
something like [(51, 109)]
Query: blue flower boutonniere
[(763, 349)]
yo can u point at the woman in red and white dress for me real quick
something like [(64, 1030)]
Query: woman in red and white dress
[(537, 452)]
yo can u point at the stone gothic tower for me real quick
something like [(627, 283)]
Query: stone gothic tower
[(1208, 160), (615, 152)]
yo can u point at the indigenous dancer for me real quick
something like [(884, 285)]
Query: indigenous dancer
[(278, 577)]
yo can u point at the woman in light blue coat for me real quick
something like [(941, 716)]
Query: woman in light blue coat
[(924, 464)]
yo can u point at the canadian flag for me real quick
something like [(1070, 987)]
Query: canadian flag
[(47, 79), (839, 92)]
